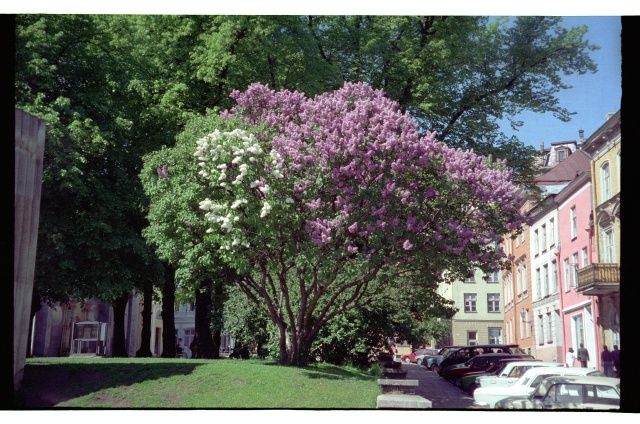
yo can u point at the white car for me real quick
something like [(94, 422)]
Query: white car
[(486, 397), (512, 372), (569, 392)]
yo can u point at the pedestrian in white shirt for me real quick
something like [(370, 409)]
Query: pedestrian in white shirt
[(570, 358)]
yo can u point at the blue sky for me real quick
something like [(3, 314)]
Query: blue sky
[(592, 95)]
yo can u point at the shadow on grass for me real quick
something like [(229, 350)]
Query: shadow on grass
[(331, 372), (46, 385)]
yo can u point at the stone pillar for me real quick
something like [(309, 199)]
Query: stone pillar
[(29, 154)]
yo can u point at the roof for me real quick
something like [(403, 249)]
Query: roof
[(580, 379), (560, 370), (566, 170)]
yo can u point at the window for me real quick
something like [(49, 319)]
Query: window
[(552, 232), (493, 302), (493, 277), (574, 222), (607, 247), (470, 302), (554, 277), (472, 338), (189, 334), (471, 278), (545, 280), (495, 335), (536, 246), (527, 327), (574, 268), (567, 276), (522, 236), (578, 329), (549, 328), (541, 329), (561, 155), (522, 325), (543, 231), (605, 179), (519, 279), (538, 284), (524, 278), (585, 257)]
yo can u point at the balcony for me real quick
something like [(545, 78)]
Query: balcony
[(599, 279)]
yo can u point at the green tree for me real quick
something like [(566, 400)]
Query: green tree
[(69, 73), (458, 75)]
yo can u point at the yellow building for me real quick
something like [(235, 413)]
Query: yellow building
[(602, 277)]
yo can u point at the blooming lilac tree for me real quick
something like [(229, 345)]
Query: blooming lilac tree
[(330, 203)]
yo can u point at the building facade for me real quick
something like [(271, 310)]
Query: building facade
[(573, 252), (518, 313), (601, 279), (52, 332), (480, 318), (547, 326)]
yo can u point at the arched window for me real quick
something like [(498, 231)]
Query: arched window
[(605, 180)]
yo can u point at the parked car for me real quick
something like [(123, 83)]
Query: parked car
[(467, 352), (427, 354), (486, 397), (569, 392), (411, 357), (510, 373), (481, 362), (468, 381), (433, 362)]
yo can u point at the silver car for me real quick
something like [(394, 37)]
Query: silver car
[(569, 392)]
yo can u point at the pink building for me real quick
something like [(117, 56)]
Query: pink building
[(574, 251)]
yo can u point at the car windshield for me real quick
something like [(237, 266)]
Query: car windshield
[(496, 368)]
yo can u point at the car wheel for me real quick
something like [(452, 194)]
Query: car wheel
[(407, 360), (472, 388), (419, 361), (435, 368), (458, 382)]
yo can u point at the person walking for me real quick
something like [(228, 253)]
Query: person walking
[(570, 357), (583, 355), (607, 361), (615, 353)]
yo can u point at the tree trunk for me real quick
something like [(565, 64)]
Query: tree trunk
[(145, 336), (204, 339), (216, 316), (119, 308), (168, 314)]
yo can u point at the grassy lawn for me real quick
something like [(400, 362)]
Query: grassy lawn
[(191, 383)]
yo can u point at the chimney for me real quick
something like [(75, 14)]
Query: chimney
[(542, 147), (581, 132)]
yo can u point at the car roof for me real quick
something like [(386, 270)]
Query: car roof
[(505, 354), (578, 379), (518, 358), (585, 379), (564, 370)]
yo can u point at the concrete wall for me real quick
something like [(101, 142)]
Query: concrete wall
[(29, 154)]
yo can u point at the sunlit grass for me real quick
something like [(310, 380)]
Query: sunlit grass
[(185, 383)]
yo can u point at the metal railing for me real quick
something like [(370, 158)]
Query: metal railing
[(598, 274)]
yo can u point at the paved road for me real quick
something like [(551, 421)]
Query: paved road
[(441, 393)]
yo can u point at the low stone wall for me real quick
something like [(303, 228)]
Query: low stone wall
[(398, 401), (394, 373), (389, 385)]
